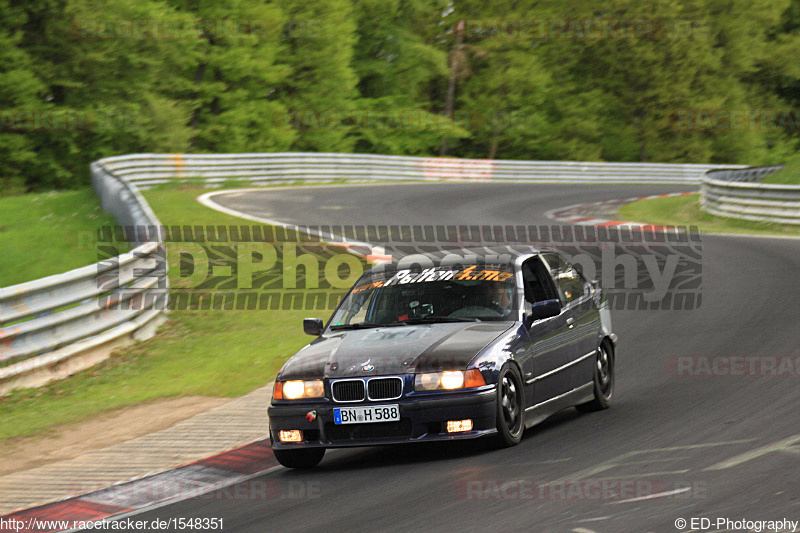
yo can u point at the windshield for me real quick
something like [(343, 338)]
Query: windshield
[(442, 294)]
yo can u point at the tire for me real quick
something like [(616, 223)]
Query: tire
[(303, 458), (603, 381), (510, 406)]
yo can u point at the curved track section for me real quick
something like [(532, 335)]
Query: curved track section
[(672, 446)]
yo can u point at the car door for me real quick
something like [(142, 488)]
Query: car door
[(581, 315), (547, 347)]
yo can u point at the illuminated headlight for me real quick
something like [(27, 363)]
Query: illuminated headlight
[(450, 380), (295, 390)]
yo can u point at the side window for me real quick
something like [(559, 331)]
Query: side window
[(566, 277), (537, 282)]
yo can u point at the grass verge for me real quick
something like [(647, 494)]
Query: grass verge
[(685, 211), (208, 353), (788, 175), (48, 233)]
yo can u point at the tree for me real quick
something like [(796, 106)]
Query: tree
[(397, 59), (19, 99), (230, 79), (320, 84), (108, 79)]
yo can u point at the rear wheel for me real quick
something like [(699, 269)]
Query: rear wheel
[(510, 406), (303, 458), (603, 381)]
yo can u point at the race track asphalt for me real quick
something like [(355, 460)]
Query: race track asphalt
[(723, 446)]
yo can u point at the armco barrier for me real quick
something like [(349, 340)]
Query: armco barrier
[(55, 326), (737, 193), (146, 170)]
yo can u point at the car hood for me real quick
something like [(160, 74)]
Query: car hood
[(392, 350)]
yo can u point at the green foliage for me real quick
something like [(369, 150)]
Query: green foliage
[(232, 78), (685, 211), (184, 359), (397, 59), (84, 79), (317, 52), (49, 233), (19, 88)]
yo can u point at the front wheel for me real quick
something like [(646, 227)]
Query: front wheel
[(603, 381), (303, 458), (510, 406)]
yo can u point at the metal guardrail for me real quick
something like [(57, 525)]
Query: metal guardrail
[(737, 193), (55, 326), (147, 170)]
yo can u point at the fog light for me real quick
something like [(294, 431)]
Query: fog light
[(457, 426), (295, 435)]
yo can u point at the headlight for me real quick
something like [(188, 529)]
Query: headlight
[(450, 380), (295, 390)]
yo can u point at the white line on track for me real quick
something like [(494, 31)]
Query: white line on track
[(653, 496), (206, 200)]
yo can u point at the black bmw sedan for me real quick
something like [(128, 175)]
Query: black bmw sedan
[(446, 346)]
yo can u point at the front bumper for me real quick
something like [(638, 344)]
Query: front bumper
[(421, 420)]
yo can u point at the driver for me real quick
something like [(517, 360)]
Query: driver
[(497, 296)]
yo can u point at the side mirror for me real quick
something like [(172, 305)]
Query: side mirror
[(312, 326), (542, 310)]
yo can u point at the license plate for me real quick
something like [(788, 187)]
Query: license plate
[(366, 415)]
